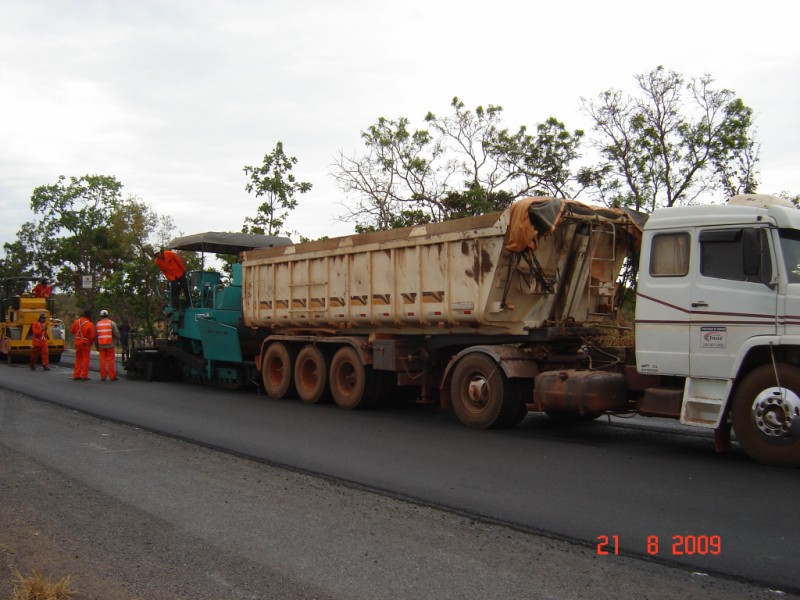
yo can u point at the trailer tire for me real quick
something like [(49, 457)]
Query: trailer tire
[(352, 383), (761, 416), (521, 392), (311, 375), (277, 371), (482, 396)]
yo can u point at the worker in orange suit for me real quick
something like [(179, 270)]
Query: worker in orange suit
[(83, 331), (106, 342), (42, 289), (39, 347), (174, 270)]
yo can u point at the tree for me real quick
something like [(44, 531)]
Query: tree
[(395, 181), (672, 143), (77, 232), (462, 164), (506, 165), (274, 182), (86, 228), (19, 258), (131, 290)]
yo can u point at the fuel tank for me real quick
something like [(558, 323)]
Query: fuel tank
[(580, 393)]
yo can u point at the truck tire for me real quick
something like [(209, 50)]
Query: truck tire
[(276, 371), (352, 384), (311, 375), (762, 413), (482, 396)]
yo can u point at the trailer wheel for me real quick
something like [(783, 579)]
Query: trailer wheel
[(482, 396), (276, 371), (311, 375), (352, 384), (763, 412)]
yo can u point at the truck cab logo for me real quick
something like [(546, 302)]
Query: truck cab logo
[(714, 337)]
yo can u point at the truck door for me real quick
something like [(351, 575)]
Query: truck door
[(662, 303), (733, 297)]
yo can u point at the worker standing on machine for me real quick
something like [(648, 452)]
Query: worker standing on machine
[(39, 343), (174, 270), (106, 342), (42, 289), (83, 331)]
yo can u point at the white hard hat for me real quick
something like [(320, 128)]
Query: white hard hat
[(103, 313)]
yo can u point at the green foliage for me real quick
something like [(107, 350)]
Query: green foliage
[(274, 182), (476, 200), (671, 143), (462, 164), (76, 235), (86, 228), (396, 172), (19, 258)]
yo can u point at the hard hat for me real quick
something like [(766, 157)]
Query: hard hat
[(104, 313)]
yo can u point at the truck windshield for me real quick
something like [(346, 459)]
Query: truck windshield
[(790, 247)]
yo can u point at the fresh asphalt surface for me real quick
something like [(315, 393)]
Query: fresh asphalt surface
[(632, 479)]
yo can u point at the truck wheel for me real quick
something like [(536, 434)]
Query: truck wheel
[(482, 396), (311, 375), (276, 371), (763, 412), (351, 382)]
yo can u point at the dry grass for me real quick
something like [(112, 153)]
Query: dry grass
[(37, 587)]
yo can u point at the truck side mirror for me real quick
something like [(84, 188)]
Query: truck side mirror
[(752, 249)]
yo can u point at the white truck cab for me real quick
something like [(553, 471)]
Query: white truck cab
[(718, 304)]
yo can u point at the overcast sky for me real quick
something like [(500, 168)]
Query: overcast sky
[(175, 97)]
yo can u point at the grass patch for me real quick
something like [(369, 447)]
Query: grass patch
[(38, 587)]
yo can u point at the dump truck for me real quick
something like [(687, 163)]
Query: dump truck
[(505, 313), (20, 310)]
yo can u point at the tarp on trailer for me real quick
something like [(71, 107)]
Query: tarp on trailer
[(531, 218), (224, 242)]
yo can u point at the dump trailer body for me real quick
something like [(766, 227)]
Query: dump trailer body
[(500, 273)]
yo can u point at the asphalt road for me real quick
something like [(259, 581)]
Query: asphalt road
[(659, 493)]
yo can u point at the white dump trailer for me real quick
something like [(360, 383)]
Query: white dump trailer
[(467, 312), (494, 274)]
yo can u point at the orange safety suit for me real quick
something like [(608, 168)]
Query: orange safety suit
[(42, 290), (39, 347), (171, 265), (107, 336), (175, 271), (83, 330)]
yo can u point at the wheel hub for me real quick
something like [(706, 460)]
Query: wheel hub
[(774, 409), (478, 391)]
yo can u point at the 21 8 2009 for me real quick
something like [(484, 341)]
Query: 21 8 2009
[(682, 545)]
